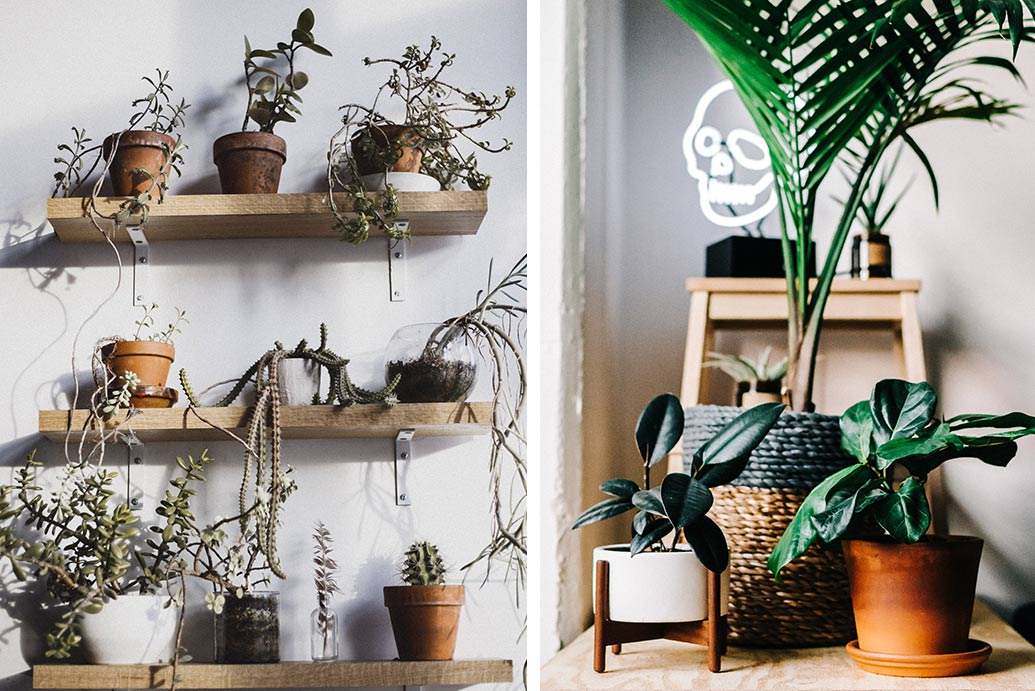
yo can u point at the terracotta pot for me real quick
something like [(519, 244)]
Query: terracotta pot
[(913, 599), (400, 138), (138, 149), (425, 619), (149, 360), (249, 162)]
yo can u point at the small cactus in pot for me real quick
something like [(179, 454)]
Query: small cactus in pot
[(425, 612)]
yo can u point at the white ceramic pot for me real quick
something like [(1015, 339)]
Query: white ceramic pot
[(657, 587), (298, 380), (131, 630), (403, 182)]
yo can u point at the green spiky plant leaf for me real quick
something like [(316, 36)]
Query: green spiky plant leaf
[(423, 565), (841, 80)]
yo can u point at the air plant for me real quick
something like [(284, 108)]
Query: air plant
[(745, 369)]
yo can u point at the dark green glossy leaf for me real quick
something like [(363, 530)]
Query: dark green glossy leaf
[(318, 49), (900, 408), (649, 500), (653, 532), (640, 521), (723, 457), (857, 431), (306, 20), (801, 532), (298, 80), (300, 36), (709, 544), (685, 499), (1019, 424), (619, 488), (904, 514), (832, 522), (659, 428), (602, 511), (936, 442)]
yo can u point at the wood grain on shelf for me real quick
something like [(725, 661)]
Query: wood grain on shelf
[(241, 216), (669, 665), (297, 422), (302, 675)]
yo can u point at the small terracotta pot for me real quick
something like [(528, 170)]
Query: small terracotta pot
[(401, 138), (138, 149), (425, 619), (249, 162), (149, 360), (913, 599)]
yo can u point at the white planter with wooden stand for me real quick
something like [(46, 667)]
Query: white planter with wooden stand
[(131, 630)]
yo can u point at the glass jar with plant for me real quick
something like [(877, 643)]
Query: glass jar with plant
[(432, 146), (758, 380), (139, 159), (323, 625), (250, 162), (878, 510)]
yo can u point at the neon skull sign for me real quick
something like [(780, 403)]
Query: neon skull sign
[(733, 170)]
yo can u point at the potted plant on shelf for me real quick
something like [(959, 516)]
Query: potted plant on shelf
[(431, 147), (323, 627), (758, 380), (912, 593), (148, 357), (425, 612), (250, 162), (139, 159), (668, 583), (827, 83)]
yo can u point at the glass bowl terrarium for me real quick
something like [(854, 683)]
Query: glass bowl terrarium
[(434, 363)]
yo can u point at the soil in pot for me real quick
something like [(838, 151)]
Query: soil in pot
[(429, 379), (249, 162), (913, 599), (386, 148), (425, 619), (138, 149), (248, 628), (149, 360)]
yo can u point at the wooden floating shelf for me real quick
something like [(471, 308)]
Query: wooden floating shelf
[(266, 216), (297, 422), (294, 675)]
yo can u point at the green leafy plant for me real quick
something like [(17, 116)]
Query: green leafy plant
[(273, 95), (896, 429), (745, 369), (423, 565), (679, 506), (324, 569), (837, 80), (147, 321), (440, 119)]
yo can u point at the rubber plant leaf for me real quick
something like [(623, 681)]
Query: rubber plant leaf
[(723, 457), (801, 533), (619, 488), (602, 511), (653, 533), (659, 428), (686, 500), (900, 408), (649, 500), (709, 544), (905, 515)]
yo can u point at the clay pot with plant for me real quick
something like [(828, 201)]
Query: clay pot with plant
[(758, 380), (912, 593), (425, 612), (431, 147), (250, 162), (148, 357)]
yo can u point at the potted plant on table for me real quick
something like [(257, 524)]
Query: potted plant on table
[(912, 593), (250, 162), (758, 380), (827, 83), (431, 147), (425, 612)]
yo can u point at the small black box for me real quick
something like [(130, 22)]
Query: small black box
[(740, 256)]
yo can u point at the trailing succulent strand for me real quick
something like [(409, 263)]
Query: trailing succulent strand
[(423, 565)]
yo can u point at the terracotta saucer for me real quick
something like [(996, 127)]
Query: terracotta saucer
[(948, 665), (154, 397)]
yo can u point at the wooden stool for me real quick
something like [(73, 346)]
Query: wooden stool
[(710, 632)]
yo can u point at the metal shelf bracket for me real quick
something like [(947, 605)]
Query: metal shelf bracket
[(403, 457), (135, 454), (141, 262), (397, 250)]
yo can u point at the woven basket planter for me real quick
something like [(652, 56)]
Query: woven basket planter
[(812, 606)]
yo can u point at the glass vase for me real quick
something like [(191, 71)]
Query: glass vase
[(248, 628), (434, 362), (323, 635)]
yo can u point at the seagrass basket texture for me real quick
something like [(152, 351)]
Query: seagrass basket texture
[(812, 605)]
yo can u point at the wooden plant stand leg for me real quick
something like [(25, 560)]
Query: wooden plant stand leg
[(710, 632)]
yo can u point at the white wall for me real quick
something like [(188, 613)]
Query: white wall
[(81, 65), (645, 235)]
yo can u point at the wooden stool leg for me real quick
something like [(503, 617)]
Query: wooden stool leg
[(716, 628), (616, 648), (600, 617)]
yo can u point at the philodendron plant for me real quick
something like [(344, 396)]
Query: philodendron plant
[(679, 506), (896, 428)]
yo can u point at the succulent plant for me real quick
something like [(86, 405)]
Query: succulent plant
[(423, 565), (745, 369)]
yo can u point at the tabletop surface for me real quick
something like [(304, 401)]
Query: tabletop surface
[(670, 665)]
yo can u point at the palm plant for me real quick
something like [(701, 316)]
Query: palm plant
[(830, 81)]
